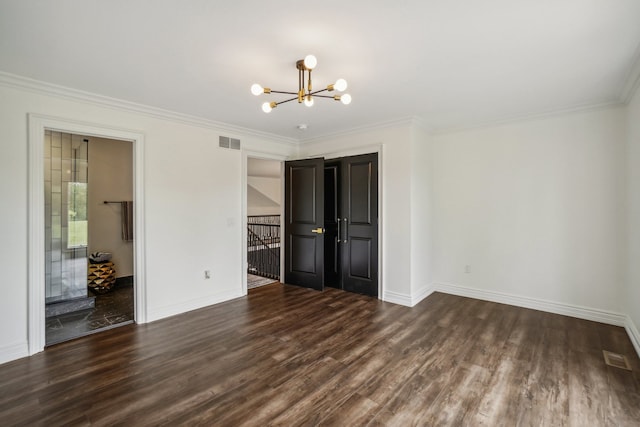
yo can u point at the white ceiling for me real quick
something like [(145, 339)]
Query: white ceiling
[(263, 168), (448, 63)]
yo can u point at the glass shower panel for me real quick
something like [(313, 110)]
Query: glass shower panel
[(65, 175)]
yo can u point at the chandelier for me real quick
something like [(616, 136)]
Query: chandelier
[(305, 91)]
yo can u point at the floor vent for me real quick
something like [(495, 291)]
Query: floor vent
[(616, 360), (232, 143)]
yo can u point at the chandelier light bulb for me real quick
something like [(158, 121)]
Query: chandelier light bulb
[(308, 101), (310, 62), (256, 89), (340, 85), (305, 93)]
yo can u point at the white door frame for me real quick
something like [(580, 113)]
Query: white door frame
[(35, 197), (265, 156)]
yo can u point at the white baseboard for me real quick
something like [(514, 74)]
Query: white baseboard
[(183, 307), (397, 298), (408, 300), (634, 334), (579, 312), (13, 352), (421, 294)]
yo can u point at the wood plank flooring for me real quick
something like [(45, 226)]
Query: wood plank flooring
[(291, 356)]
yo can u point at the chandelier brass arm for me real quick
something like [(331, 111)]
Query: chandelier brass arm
[(305, 91)]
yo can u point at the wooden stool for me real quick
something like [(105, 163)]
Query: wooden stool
[(102, 277)]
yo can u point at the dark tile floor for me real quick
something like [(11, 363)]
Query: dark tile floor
[(111, 309)]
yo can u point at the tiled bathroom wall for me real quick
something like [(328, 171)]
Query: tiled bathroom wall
[(65, 181)]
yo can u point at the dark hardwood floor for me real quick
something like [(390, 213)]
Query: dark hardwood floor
[(291, 356)]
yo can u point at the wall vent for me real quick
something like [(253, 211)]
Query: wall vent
[(231, 143)]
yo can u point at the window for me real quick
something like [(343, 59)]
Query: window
[(77, 215)]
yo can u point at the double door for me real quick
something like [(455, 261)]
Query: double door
[(331, 223)]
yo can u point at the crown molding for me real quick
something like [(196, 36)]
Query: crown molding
[(49, 89), (577, 108), (632, 82), (422, 124)]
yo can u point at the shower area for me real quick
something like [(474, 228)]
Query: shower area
[(77, 223), (66, 161)]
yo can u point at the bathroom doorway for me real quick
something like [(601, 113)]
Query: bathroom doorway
[(88, 215)]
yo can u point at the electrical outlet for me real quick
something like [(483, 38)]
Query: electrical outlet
[(467, 269), (207, 274)]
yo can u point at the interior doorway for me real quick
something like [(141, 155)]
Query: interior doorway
[(331, 223), (88, 220), (38, 124), (264, 206)]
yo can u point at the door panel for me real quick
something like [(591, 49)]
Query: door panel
[(360, 258), (303, 254), (304, 223), (360, 224), (359, 188), (303, 192)]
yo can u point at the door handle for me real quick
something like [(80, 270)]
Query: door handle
[(338, 222), (346, 230), (318, 230)]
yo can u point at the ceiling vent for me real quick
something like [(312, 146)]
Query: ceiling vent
[(231, 143)]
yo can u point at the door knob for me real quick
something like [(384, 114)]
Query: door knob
[(318, 230)]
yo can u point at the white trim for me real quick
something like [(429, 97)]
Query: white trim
[(380, 151), (194, 304), (408, 300), (397, 298), (13, 352), (518, 118), (577, 311), (139, 228), (35, 232), (421, 294), (634, 334), (49, 89), (632, 81), (36, 268)]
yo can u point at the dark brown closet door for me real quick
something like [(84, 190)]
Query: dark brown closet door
[(304, 223), (359, 226)]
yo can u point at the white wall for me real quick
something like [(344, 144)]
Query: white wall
[(270, 187), (534, 208), (192, 196), (263, 195), (110, 178), (395, 173), (632, 295), (13, 228), (421, 213)]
